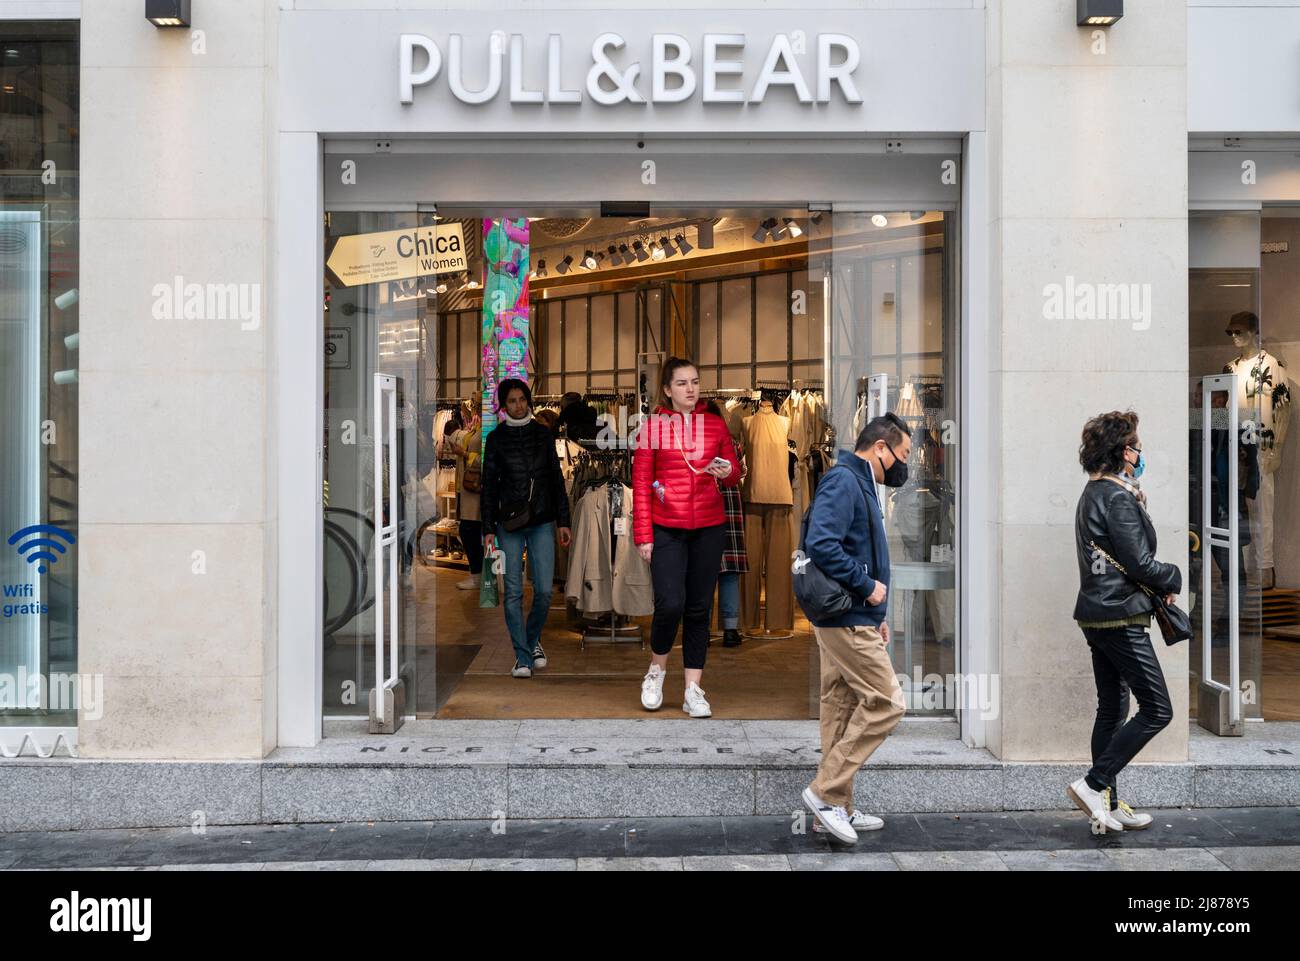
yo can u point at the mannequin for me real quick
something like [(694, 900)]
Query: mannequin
[(768, 504), (1264, 399)]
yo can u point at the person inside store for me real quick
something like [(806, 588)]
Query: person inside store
[(524, 507), (679, 525), (577, 418), (1115, 545), (735, 559), (861, 699), (465, 445)]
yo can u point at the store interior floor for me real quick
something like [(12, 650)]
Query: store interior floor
[(760, 679)]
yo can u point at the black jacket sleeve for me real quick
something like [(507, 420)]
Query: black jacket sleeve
[(491, 484), (1128, 538)]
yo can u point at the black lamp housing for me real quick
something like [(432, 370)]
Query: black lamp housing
[(1099, 13), (167, 13)]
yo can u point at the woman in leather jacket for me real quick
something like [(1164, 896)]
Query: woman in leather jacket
[(521, 471), (1115, 545)]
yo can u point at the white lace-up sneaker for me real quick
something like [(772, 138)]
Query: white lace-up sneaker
[(1132, 820), (695, 705), (652, 689), (834, 819), (1095, 804), (468, 584), (857, 820)]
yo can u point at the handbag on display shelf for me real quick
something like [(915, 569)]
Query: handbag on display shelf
[(1175, 624)]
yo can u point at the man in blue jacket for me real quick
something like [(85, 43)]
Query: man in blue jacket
[(861, 701)]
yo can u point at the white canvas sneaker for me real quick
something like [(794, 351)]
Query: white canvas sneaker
[(652, 689), (1095, 804), (834, 819), (694, 704), (1132, 820), (857, 820)]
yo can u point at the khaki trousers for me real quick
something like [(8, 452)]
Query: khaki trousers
[(768, 546), (861, 702)]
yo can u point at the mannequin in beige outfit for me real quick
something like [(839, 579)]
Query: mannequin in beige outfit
[(768, 499)]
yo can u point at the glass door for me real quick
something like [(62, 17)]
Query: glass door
[(1225, 471), (889, 298), (380, 470)]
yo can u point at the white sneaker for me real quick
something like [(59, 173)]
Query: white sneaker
[(521, 670), (1095, 804), (652, 689), (468, 584), (695, 705), (858, 821), (1132, 820), (834, 819)]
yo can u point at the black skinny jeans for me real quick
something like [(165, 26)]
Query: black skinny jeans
[(1123, 660), (684, 567)]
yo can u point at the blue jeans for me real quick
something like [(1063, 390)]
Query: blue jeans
[(729, 600), (540, 541)]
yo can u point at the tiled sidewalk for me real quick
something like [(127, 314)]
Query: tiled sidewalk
[(1219, 839)]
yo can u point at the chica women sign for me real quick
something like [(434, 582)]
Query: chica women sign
[(397, 255)]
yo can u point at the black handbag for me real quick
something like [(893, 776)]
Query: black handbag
[(821, 597), (1175, 623), (517, 514)]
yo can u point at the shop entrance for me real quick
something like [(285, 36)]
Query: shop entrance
[(1243, 564), (797, 313)]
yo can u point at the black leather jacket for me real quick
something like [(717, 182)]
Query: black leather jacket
[(1111, 517), (513, 457)]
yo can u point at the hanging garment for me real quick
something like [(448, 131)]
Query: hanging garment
[(768, 453), (767, 536), (603, 531), (735, 559)]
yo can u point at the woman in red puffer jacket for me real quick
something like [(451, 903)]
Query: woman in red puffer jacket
[(679, 525)]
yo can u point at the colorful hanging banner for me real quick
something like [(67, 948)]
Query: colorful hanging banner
[(505, 308)]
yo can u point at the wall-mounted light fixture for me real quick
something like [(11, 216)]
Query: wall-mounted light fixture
[(1099, 13), (167, 13)]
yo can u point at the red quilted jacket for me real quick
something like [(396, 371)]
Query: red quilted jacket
[(691, 500)]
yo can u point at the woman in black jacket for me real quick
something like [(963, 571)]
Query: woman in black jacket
[(1112, 531), (521, 474)]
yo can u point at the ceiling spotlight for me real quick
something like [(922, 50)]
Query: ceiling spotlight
[(589, 260), (441, 288), (540, 270), (816, 219), (167, 13), (916, 215), (625, 253), (682, 245), (641, 255), (765, 230), (660, 249), (564, 265), (880, 220), (792, 228), (614, 258), (704, 236)]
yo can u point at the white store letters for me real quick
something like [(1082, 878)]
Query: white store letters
[(675, 73)]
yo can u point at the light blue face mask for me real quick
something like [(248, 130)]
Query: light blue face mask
[(1140, 466)]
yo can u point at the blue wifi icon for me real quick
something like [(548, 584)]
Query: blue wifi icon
[(37, 545)]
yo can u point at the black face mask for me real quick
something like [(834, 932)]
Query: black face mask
[(896, 475)]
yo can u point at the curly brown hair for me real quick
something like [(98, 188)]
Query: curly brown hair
[(1104, 440)]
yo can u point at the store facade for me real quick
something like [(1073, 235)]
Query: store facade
[(1008, 152)]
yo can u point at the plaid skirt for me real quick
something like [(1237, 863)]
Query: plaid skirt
[(734, 558)]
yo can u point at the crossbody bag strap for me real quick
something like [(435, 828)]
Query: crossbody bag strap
[(1120, 567)]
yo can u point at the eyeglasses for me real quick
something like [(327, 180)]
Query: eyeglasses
[(1136, 450)]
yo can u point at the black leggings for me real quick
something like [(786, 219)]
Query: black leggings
[(471, 538), (685, 566), (1123, 660)]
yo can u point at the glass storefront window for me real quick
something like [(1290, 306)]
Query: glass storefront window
[(39, 170)]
